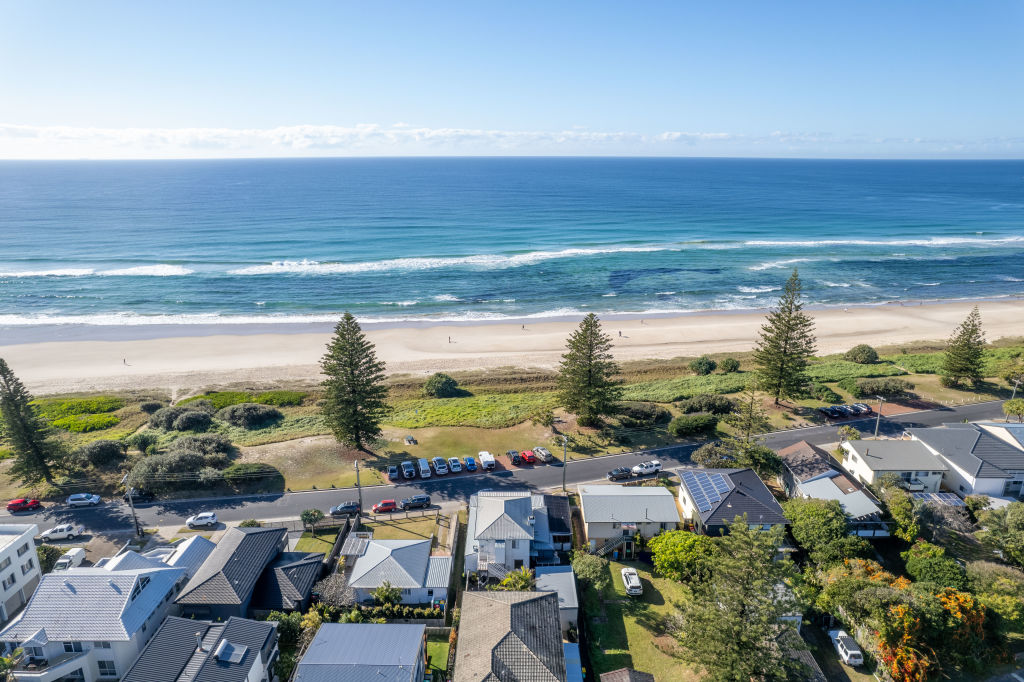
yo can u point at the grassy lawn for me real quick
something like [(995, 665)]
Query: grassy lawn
[(401, 528), (322, 543), (486, 411), (437, 653), (632, 634), (314, 462)]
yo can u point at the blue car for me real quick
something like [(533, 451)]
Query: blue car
[(470, 464)]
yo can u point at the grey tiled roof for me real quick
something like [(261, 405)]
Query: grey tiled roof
[(973, 449), (403, 563), (896, 455), (627, 675), (287, 582), (635, 504), (509, 636), (362, 652), (748, 495), (172, 654), (805, 460), (229, 574)]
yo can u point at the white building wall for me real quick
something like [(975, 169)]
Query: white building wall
[(20, 573)]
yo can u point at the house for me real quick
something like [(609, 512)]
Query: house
[(509, 636), (405, 564), (711, 499), (562, 581), (387, 652), (986, 458), (186, 650), (917, 466), (225, 583), (19, 567), (626, 675), (614, 514), (91, 623), (514, 528), (807, 472), (188, 554)]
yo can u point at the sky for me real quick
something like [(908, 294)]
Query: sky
[(865, 79)]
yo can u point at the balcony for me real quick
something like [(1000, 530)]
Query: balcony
[(49, 670)]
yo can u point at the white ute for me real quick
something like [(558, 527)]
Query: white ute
[(643, 468), (64, 531)]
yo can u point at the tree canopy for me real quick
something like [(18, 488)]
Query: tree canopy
[(822, 529), (36, 452), (586, 383), (964, 358), (355, 400), (786, 344), (682, 555)]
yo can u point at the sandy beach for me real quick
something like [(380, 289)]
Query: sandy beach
[(184, 364)]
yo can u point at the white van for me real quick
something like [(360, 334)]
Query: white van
[(424, 467), (73, 558), (486, 460)]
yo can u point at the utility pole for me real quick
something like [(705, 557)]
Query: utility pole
[(878, 419), (359, 488), (565, 461), (131, 503), (1015, 385)]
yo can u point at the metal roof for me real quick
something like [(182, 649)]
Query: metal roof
[(856, 503), (561, 580), (896, 455), (362, 652), (504, 518), (747, 494), (191, 554), (632, 504), (805, 460), (439, 571), (573, 662), (230, 572), (403, 563), (973, 448)]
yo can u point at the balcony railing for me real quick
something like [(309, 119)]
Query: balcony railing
[(30, 666)]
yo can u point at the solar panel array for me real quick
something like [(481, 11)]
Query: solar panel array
[(706, 489), (948, 499)]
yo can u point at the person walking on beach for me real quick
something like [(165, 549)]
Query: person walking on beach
[(620, 333)]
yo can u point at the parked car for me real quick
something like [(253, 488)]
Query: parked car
[(440, 466), (208, 519), (515, 457), (846, 647), (23, 504), (72, 558), (543, 454), (415, 502), (486, 460), (139, 495), (826, 411), (528, 456), (349, 508), (454, 465), (645, 468), (392, 473), (385, 507), (65, 531), (864, 407), (424, 467), (631, 581), (409, 469), (845, 411), (470, 464), (619, 473), (83, 500), (855, 408)]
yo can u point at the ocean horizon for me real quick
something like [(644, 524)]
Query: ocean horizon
[(429, 240)]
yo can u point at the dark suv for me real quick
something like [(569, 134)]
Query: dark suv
[(415, 502), (139, 495), (345, 508), (619, 473)]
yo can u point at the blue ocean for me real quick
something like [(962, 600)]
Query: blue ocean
[(467, 239)]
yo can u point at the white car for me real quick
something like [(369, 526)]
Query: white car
[(454, 465), (543, 454), (644, 468), (83, 500), (631, 580), (846, 647), (208, 519), (65, 531)]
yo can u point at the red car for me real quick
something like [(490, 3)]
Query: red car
[(528, 456), (23, 505), (385, 506)]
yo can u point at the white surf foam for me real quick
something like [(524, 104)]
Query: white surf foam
[(161, 270), (758, 290), (59, 272), (769, 265), (933, 242)]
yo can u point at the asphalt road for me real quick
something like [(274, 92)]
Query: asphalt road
[(116, 516)]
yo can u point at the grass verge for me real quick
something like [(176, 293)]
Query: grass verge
[(321, 543)]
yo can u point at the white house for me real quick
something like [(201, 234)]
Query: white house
[(614, 514), (561, 580), (916, 465), (405, 564), (986, 458), (92, 623), (19, 567)]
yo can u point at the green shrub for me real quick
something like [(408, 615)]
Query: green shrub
[(645, 413), (823, 393), (150, 406), (214, 449), (918, 363), (84, 423), (280, 398), (693, 424), (672, 390), (948, 382), (55, 408), (836, 370), (703, 365), (710, 403), (103, 453), (192, 420), (243, 471), (850, 386), (220, 399), (165, 416), (440, 385), (862, 354), (142, 441), (166, 471), (729, 365), (251, 523), (887, 388), (250, 415)]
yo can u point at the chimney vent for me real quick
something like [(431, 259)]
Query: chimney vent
[(199, 641)]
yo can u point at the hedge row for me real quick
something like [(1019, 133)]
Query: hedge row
[(55, 408), (221, 399), (84, 423)]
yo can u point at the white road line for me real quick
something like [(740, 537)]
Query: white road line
[(1017, 677)]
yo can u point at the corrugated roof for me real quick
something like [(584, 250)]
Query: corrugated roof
[(748, 495), (974, 449), (129, 560), (509, 636), (191, 554), (857, 504), (403, 563), (362, 652), (287, 582), (633, 504), (230, 572), (805, 460), (573, 662), (504, 517), (896, 455), (562, 581), (439, 571)]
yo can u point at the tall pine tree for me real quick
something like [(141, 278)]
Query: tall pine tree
[(586, 384), (964, 355), (355, 402), (35, 451), (731, 627), (787, 343)]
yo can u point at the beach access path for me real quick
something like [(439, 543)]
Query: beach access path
[(116, 516)]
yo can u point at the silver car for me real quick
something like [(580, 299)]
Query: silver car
[(83, 500), (207, 519)]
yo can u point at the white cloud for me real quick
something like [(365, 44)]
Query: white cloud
[(370, 139)]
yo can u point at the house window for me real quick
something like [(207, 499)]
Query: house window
[(962, 489), (9, 581), (5, 563), (139, 586), (853, 457), (101, 645), (514, 544), (23, 549), (72, 647), (615, 524), (107, 668), (27, 566), (430, 594), (143, 627)]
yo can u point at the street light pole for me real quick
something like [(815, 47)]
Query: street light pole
[(359, 489), (1015, 385), (131, 503), (565, 461), (878, 419)]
